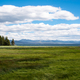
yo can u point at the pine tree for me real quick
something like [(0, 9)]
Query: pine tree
[(0, 40), (12, 42), (6, 41)]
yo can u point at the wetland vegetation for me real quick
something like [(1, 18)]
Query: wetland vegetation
[(39, 63)]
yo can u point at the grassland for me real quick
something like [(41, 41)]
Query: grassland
[(39, 63)]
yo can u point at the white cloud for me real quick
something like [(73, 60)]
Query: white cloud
[(42, 31), (13, 14), (38, 27)]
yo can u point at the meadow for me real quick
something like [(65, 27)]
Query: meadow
[(39, 63)]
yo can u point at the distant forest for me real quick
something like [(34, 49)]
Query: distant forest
[(4, 41)]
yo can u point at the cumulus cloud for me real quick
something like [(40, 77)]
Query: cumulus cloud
[(38, 27), (13, 14), (42, 31)]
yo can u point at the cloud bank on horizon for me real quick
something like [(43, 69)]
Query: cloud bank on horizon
[(20, 26)]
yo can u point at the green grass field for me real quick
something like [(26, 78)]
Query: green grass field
[(39, 63)]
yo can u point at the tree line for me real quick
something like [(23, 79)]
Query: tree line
[(4, 41)]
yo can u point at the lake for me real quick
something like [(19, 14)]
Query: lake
[(48, 44)]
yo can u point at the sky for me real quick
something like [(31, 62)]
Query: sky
[(40, 19)]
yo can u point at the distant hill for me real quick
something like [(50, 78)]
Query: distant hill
[(45, 42)]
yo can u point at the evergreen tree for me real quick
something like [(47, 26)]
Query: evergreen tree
[(0, 40), (12, 42), (6, 41)]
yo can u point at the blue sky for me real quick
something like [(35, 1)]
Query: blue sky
[(40, 19)]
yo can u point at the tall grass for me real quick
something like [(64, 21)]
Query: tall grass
[(39, 63)]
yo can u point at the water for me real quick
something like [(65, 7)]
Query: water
[(48, 44)]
